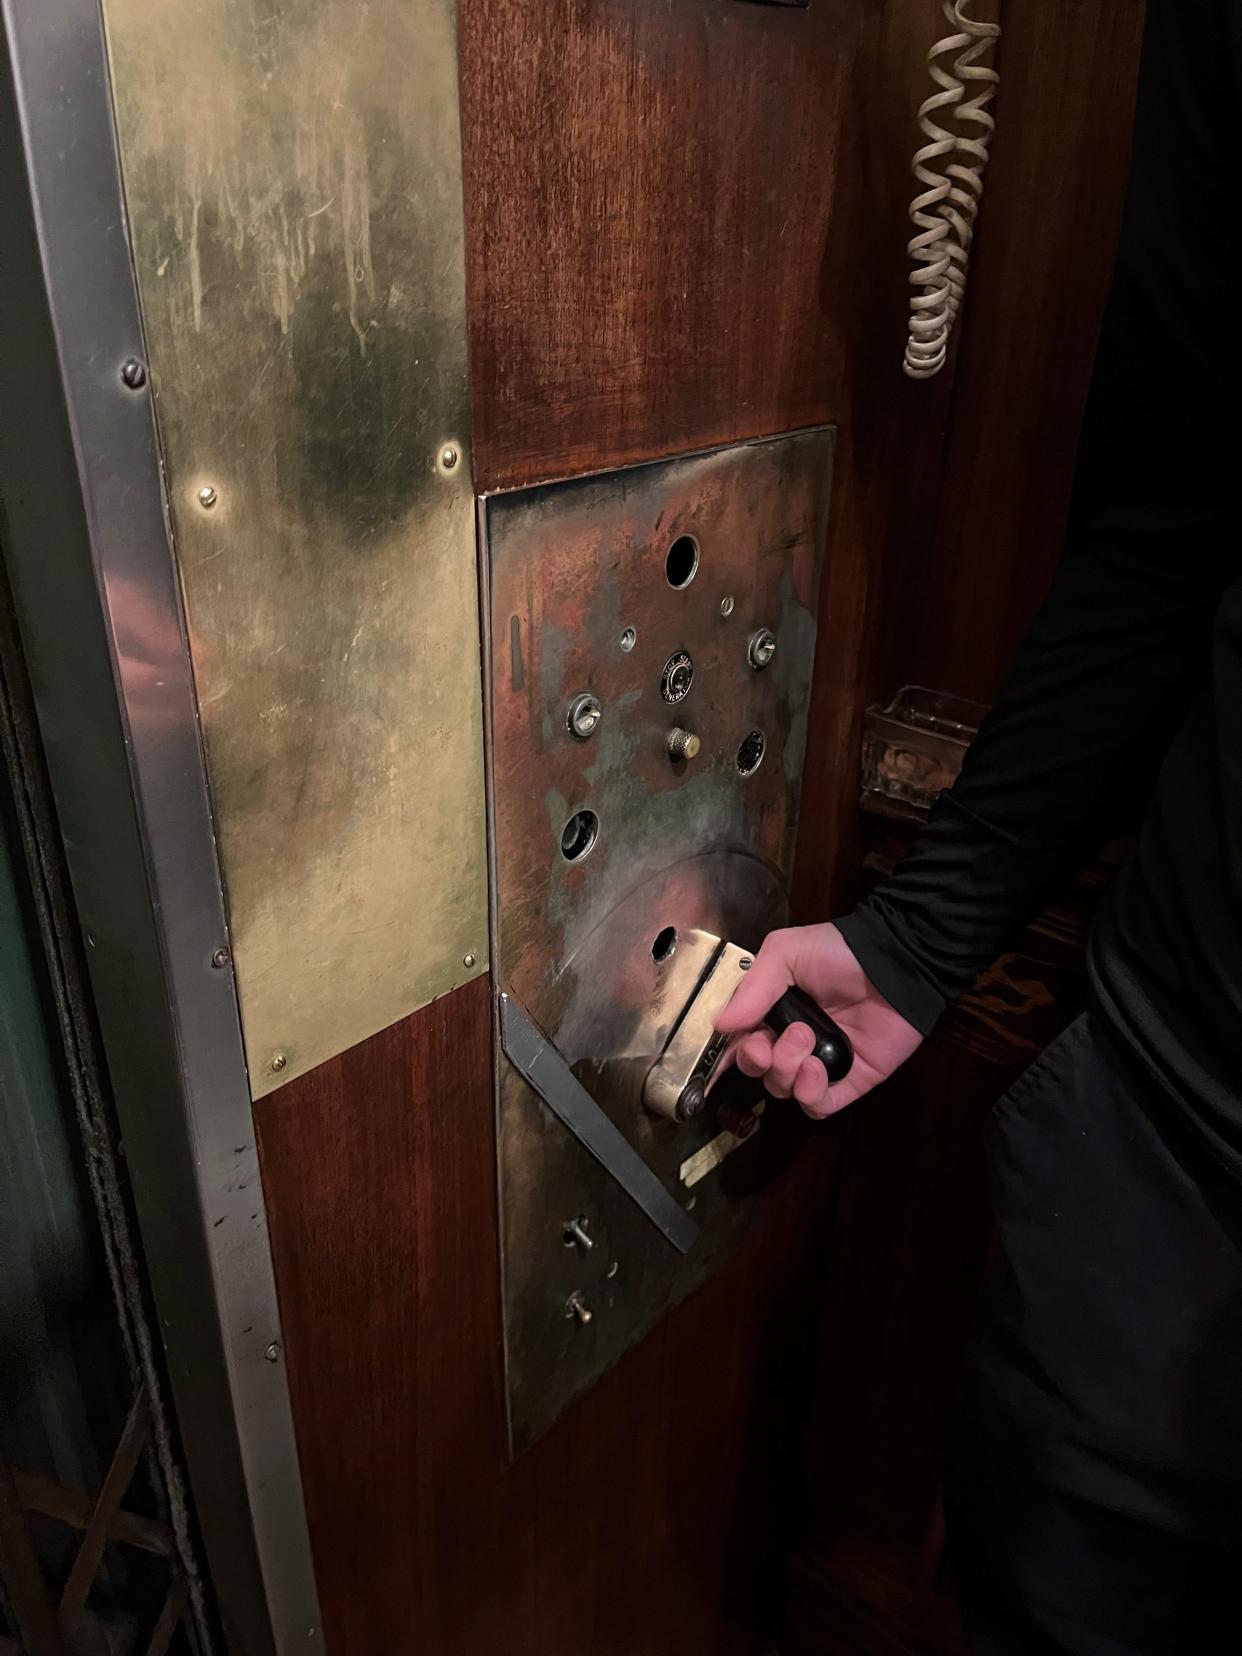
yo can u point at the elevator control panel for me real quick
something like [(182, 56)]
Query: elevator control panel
[(650, 640)]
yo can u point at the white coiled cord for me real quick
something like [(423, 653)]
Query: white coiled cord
[(944, 214)]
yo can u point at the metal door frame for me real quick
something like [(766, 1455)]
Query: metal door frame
[(87, 544)]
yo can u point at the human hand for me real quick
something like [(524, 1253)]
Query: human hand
[(818, 960)]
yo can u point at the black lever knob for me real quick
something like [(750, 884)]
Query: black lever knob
[(832, 1044)]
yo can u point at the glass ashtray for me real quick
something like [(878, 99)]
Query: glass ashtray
[(913, 750)]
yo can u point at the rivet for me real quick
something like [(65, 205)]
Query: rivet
[(468, 961), (628, 639), (279, 1061), (220, 959), (449, 457), (272, 1353), (134, 373), (726, 604), (207, 497)]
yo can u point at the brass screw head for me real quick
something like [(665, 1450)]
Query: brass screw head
[(449, 457), (207, 497), (279, 1061)]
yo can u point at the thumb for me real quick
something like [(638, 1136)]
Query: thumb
[(758, 992)]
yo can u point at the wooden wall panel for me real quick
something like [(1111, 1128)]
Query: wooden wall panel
[(644, 1521), (686, 225), (649, 190)]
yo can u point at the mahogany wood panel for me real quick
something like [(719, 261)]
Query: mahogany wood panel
[(649, 192), (644, 1521)]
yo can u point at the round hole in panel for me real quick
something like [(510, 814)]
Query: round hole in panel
[(681, 564), (665, 945), (579, 835), (750, 753)]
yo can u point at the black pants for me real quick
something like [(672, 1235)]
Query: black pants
[(1095, 1497)]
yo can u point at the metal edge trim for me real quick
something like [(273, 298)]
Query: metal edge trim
[(665, 459), (484, 569), (63, 91)]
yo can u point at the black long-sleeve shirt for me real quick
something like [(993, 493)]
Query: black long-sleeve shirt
[(1126, 699)]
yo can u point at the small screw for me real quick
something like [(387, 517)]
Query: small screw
[(207, 497), (468, 960), (761, 649), (726, 604), (745, 964), (279, 1060), (693, 1097), (134, 373), (449, 457), (683, 744), (583, 717), (576, 1231), (574, 1307), (220, 959), (272, 1353), (628, 639)]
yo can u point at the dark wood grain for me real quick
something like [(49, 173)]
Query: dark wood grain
[(645, 1520), (649, 192)]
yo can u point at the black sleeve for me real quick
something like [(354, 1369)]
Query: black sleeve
[(1072, 746)]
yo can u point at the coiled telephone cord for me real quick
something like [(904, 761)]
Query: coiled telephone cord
[(945, 212)]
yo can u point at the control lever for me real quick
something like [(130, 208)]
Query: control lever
[(832, 1045), (677, 1084)]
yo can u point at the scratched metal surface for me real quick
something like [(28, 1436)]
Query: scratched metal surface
[(690, 845), (293, 178)]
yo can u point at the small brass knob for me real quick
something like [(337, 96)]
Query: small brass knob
[(683, 744)]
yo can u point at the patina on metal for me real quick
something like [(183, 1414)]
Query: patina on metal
[(293, 180), (620, 862)]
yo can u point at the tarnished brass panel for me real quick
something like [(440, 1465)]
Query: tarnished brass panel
[(581, 605), (293, 178)]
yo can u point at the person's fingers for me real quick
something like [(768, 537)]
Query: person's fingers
[(811, 1086), (754, 1054), (788, 1053), (835, 1098), (726, 1061), (761, 988)]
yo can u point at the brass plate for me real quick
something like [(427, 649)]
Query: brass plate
[(573, 569), (293, 178)]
